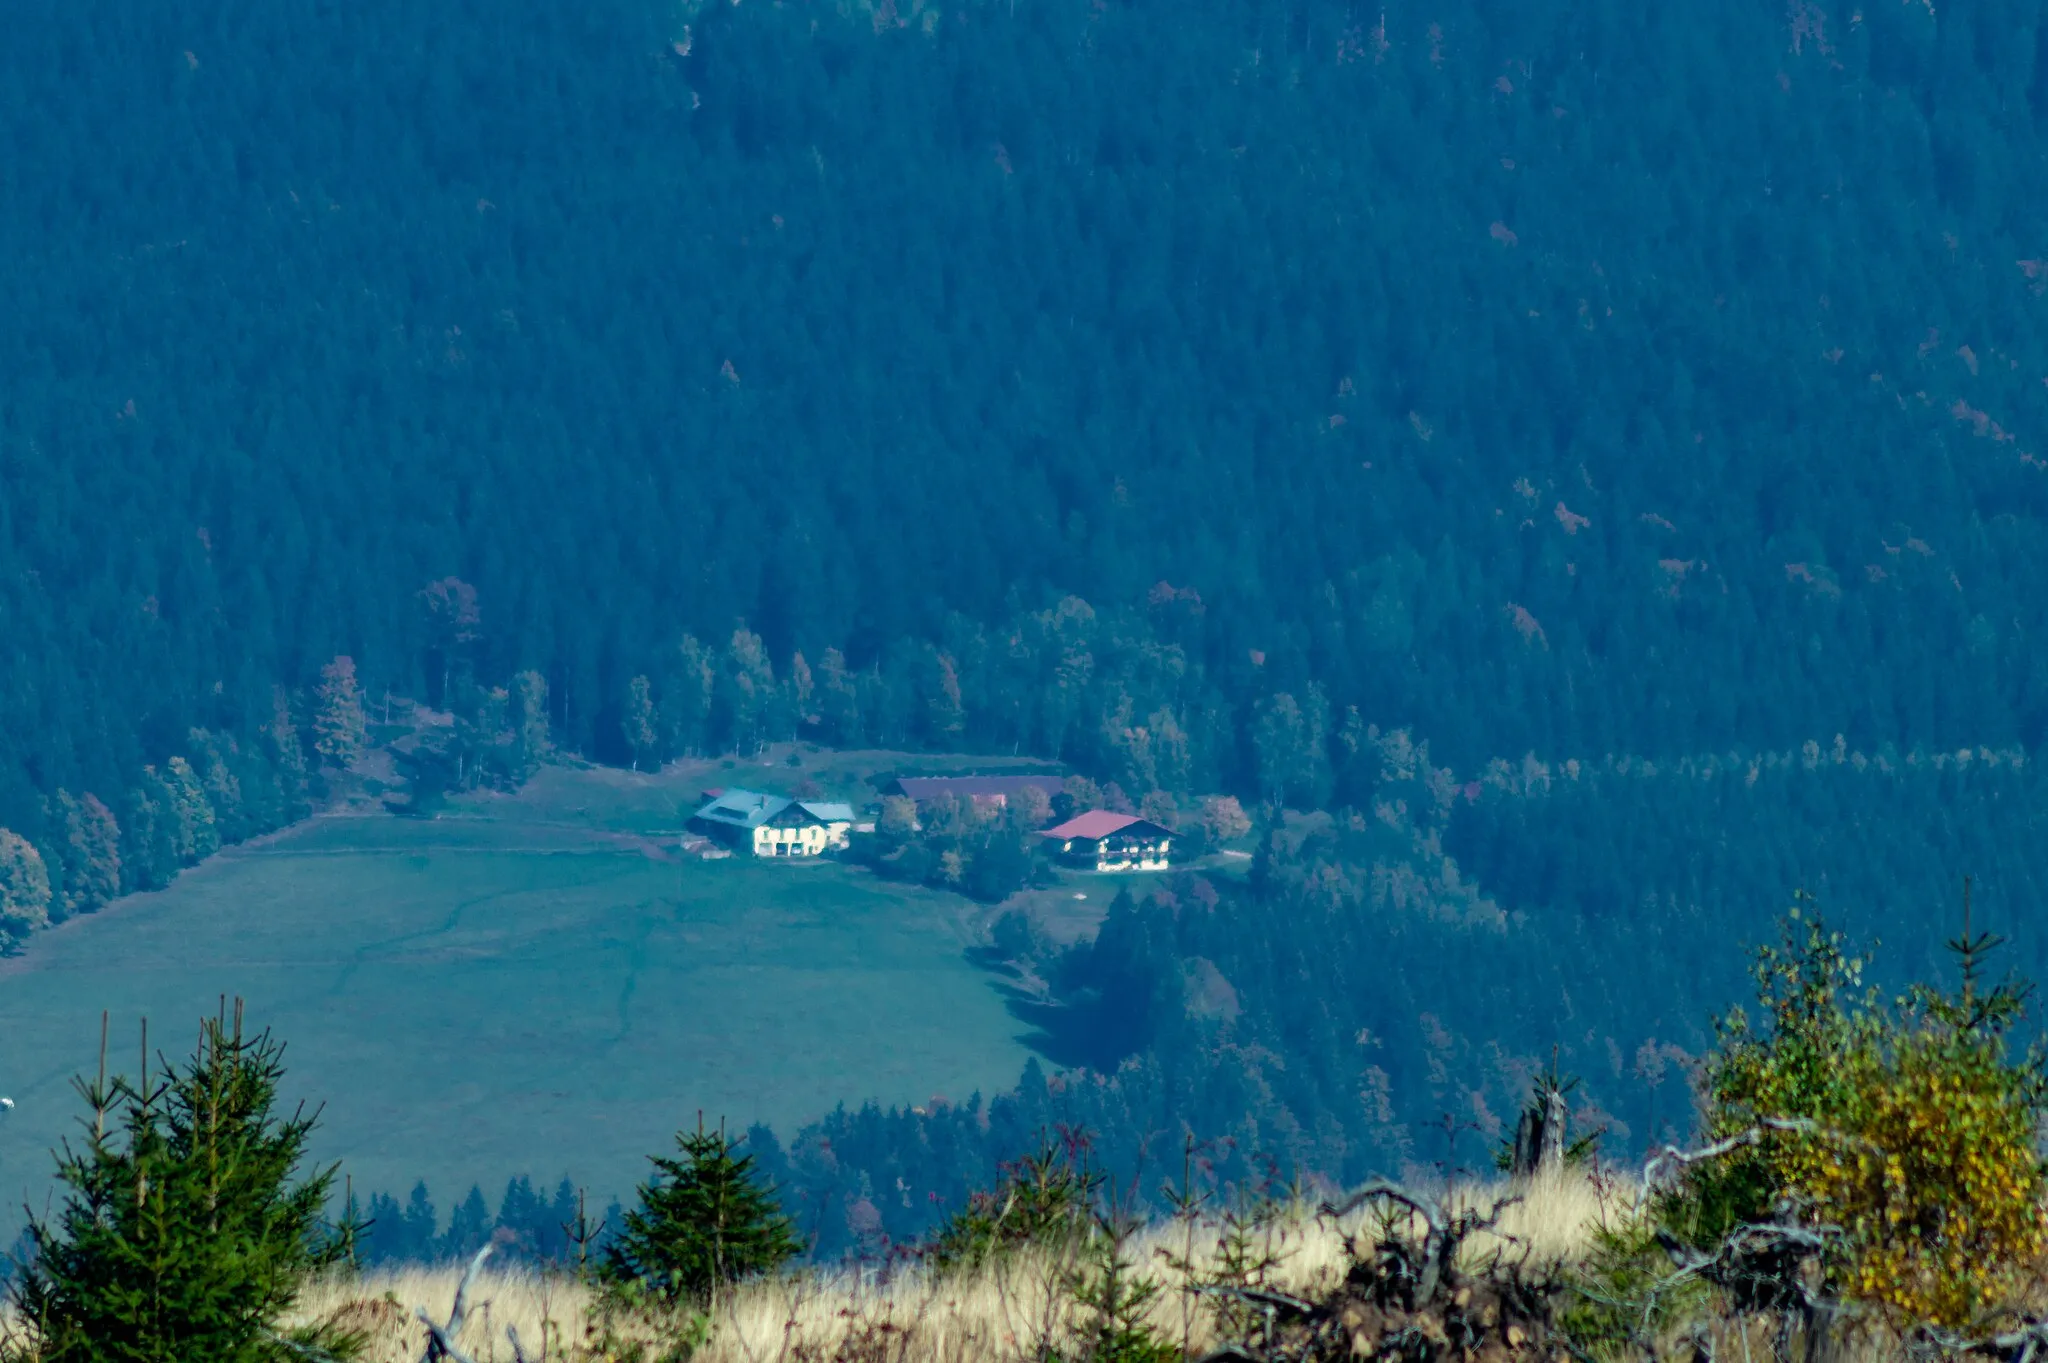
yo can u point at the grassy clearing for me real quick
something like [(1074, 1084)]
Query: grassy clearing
[(533, 983), (1003, 1313)]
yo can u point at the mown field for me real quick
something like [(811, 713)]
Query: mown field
[(532, 983)]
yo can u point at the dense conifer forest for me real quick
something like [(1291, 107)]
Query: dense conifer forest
[(1589, 458)]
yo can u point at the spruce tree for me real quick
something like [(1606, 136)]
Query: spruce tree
[(188, 1226), (686, 697), (838, 703), (214, 757), (339, 726), (149, 855), (641, 733), (703, 1222), (289, 754), (531, 734), (196, 831)]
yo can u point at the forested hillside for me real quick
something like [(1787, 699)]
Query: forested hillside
[(1477, 364), (1202, 393)]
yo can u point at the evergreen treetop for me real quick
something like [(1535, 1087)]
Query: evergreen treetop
[(189, 1227), (703, 1221)]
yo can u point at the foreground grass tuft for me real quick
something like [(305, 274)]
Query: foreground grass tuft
[(1014, 1307)]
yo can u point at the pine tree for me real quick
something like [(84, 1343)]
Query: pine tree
[(1315, 757), (420, 1223), (188, 1229), (452, 623), (522, 1218), (640, 731), (562, 1237), (382, 1239), (838, 703), (215, 756), (1172, 759), (1280, 739), (195, 832), (686, 697), (24, 887), (58, 812), (703, 1222), (339, 728), (264, 806), (802, 690), (1112, 1296), (530, 733), (945, 715), (149, 856), (289, 754), (469, 1226), (744, 691), (1355, 760)]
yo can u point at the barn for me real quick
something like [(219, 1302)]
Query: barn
[(987, 792)]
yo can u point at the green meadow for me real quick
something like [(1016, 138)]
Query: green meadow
[(532, 983)]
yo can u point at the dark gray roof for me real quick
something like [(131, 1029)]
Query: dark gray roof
[(750, 809), (922, 788), (743, 808)]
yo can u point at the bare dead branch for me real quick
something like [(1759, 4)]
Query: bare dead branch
[(1752, 1136), (441, 1338), (1230, 1353), (1470, 1222), (1751, 1240), (285, 1342), (2024, 1345), (1432, 1216), (1264, 1299)]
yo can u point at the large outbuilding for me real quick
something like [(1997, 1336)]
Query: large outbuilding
[(984, 791), (774, 825), (1103, 841)]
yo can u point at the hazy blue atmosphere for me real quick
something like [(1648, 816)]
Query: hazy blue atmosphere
[(1571, 474)]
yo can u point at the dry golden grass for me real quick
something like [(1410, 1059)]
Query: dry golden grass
[(1005, 1312)]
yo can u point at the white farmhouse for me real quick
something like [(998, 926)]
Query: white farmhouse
[(774, 825)]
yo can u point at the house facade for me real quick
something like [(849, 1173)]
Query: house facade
[(774, 825), (1102, 841)]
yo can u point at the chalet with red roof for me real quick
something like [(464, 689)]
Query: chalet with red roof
[(1104, 841)]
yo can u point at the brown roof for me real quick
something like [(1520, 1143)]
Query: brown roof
[(922, 788), (1101, 823)]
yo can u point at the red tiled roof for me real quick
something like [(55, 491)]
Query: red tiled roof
[(1096, 823)]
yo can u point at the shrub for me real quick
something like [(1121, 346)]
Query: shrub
[(1916, 1129), (703, 1222), (1046, 1198), (1112, 1298), (1050, 1201), (187, 1230)]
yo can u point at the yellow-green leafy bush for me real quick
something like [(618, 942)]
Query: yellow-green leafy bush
[(1907, 1127)]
